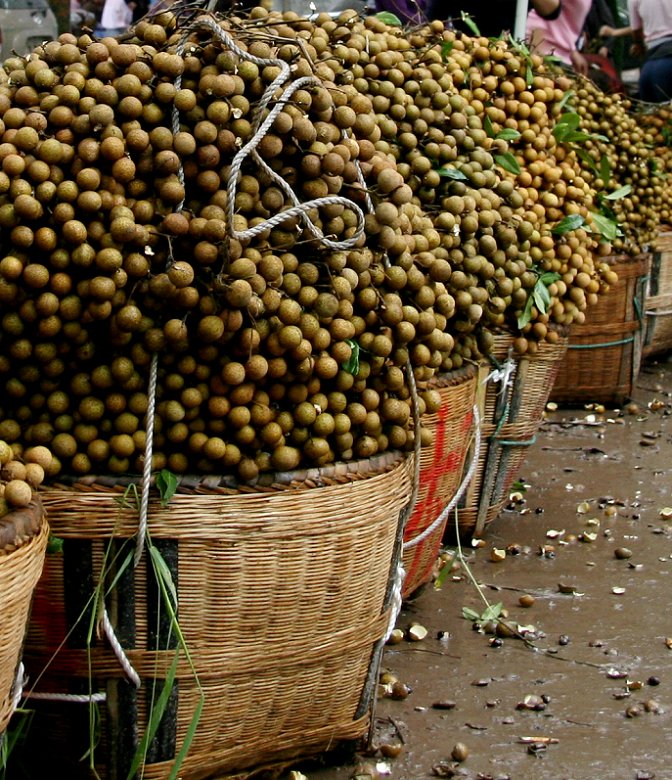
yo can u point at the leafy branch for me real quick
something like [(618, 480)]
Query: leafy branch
[(539, 297), (566, 130), (166, 484), (448, 172), (470, 23), (508, 162), (390, 19), (603, 219)]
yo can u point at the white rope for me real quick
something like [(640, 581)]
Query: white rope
[(658, 312), (418, 438), (85, 698), (460, 491), (362, 181), (20, 693), (104, 622), (17, 688), (117, 649), (504, 374), (147, 466), (298, 209), (396, 600)]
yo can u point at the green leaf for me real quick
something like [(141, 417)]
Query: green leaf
[(120, 569), (529, 74), (508, 162), (578, 137), (444, 572), (352, 366), (526, 316), (132, 491), (163, 572), (587, 158), (54, 545), (605, 169), (570, 120), (493, 611), (389, 19), (566, 98), (548, 277), (621, 192), (542, 298), (471, 24), (156, 714), (605, 209), (188, 739), (508, 134), (167, 483), (470, 614), (607, 228), (487, 126), (451, 173), (446, 48), (519, 46), (567, 224)]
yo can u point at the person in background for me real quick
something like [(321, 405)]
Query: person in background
[(599, 17), (116, 18), (410, 12), (559, 36), (598, 50), (492, 19), (651, 29), (82, 16)]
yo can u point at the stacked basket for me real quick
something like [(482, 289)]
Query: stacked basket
[(23, 542), (658, 331), (512, 395), (604, 354), (284, 602), (441, 468)]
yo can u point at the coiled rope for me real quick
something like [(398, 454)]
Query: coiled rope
[(299, 209)]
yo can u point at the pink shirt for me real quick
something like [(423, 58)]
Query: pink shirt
[(559, 36), (652, 17)]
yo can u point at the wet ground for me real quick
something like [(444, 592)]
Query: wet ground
[(585, 689)]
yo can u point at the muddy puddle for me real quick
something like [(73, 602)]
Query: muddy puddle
[(588, 692)]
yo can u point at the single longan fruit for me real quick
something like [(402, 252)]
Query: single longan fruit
[(18, 493)]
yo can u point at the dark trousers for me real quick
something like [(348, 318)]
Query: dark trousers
[(655, 80)]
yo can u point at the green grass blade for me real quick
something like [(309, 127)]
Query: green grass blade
[(188, 737), (155, 716)]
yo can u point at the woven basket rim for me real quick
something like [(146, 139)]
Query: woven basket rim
[(341, 471), (627, 266), (19, 526), (454, 377)]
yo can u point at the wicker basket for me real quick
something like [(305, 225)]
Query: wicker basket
[(604, 354), (23, 542), (511, 410), (285, 594), (440, 473), (658, 307)]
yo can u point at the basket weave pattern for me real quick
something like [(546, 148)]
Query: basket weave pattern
[(21, 560), (440, 471), (604, 354), (281, 601), (658, 308), (510, 421)]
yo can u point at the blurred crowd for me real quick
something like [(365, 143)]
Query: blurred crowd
[(580, 34), (105, 17)]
